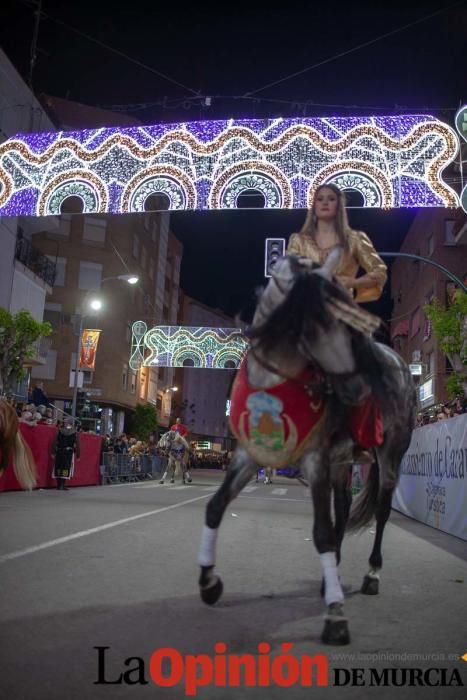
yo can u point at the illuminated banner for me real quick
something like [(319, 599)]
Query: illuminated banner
[(393, 161), (89, 341), (186, 346)]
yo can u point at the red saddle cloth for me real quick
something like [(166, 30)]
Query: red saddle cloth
[(276, 424), (366, 424)]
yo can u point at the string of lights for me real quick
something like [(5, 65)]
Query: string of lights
[(298, 106), (356, 48), (117, 52)]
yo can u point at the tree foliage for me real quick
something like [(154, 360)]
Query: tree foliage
[(450, 327), (18, 333), (144, 420)]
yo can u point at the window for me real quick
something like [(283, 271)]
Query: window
[(449, 237), (133, 382), (94, 231), (90, 275), (60, 270), (431, 244), (135, 246), (151, 268), (64, 226), (125, 377), (430, 363), (53, 314)]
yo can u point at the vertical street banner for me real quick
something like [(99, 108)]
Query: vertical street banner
[(433, 478), (89, 341)]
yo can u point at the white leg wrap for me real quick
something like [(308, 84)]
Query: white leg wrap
[(207, 550), (334, 592), (164, 476)]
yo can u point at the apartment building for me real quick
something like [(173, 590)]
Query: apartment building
[(90, 253), (26, 277), (441, 236)]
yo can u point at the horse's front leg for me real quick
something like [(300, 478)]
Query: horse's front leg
[(239, 473)]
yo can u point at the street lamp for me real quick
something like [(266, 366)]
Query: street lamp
[(96, 305)]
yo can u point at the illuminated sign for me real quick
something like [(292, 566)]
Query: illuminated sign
[(393, 161)]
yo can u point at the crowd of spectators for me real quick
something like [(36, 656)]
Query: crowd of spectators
[(443, 412)]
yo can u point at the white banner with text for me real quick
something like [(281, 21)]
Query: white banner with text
[(433, 477)]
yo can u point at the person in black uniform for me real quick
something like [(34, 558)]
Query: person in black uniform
[(65, 445)]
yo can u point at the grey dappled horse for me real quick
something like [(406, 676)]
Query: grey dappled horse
[(178, 450), (305, 319)]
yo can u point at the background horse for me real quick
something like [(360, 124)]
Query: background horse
[(177, 449), (310, 340), (12, 443)]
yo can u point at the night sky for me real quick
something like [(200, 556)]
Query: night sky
[(227, 51)]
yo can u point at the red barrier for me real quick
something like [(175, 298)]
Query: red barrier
[(39, 439)]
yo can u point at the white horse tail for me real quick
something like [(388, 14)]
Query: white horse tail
[(24, 465)]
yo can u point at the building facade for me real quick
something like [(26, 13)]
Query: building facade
[(204, 392), (441, 236), (26, 277), (90, 253)]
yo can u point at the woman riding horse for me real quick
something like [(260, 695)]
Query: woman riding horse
[(313, 385)]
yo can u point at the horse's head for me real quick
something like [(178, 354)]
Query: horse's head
[(305, 311)]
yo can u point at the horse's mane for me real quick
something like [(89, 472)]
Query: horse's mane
[(305, 309)]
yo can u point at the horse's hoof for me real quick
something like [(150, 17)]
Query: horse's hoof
[(212, 594), (172, 481), (161, 481), (188, 481), (370, 586), (336, 632)]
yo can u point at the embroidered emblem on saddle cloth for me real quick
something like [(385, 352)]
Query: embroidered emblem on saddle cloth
[(275, 424)]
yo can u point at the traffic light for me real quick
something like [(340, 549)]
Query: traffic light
[(274, 249), (83, 404)]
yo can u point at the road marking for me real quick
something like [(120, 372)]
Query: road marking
[(210, 488), (249, 489), (84, 533), (148, 486), (267, 498), (279, 492)]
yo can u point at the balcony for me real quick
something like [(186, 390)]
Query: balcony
[(35, 261)]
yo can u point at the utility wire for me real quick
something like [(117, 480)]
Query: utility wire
[(113, 50), (355, 48)]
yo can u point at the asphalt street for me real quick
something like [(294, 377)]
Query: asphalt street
[(115, 566)]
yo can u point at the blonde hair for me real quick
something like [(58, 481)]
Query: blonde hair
[(342, 223), (11, 440)]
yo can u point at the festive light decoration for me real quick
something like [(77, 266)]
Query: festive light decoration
[(186, 346), (461, 126), (392, 161)]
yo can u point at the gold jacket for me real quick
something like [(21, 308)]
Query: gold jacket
[(361, 253)]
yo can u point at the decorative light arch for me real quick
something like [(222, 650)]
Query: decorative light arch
[(370, 181), (205, 164), (73, 183), (266, 178), (160, 179), (171, 346)]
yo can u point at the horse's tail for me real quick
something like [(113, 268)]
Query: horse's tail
[(364, 506), (24, 465)]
